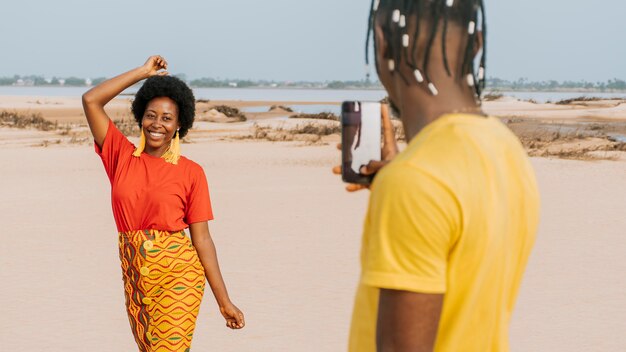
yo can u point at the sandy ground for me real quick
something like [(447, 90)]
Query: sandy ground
[(579, 130), (69, 109), (288, 238)]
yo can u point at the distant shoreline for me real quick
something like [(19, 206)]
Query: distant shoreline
[(487, 89)]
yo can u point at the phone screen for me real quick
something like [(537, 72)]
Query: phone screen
[(360, 139)]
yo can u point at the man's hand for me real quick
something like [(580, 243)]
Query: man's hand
[(389, 151)]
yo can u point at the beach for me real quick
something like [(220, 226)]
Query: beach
[(288, 234)]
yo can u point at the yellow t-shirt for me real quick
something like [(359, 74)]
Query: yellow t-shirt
[(455, 213)]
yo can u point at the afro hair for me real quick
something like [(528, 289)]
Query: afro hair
[(173, 88)]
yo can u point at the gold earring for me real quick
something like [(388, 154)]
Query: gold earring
[(173, 153), (141, 146)]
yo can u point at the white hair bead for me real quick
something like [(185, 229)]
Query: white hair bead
[(418, 76), (470, 79), (471, 27), (433, 89), (391, 64), (449, 3), (395, 16), (376, 3), (481, 73), (402, 21), (405, 40)]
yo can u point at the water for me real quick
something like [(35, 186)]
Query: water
[(279, 94), (313, 109), (287, 95), (43, 91), (617, 137), (306, 109)]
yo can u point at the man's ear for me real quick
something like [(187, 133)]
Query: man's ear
[(478, 42), (382, 62)]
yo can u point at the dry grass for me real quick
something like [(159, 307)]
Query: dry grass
[(325, 115), (491, 96), (128, 127), (21, 120), (578, 99), (583, 99), (310, 133), (230, 111), (68, 132), (281, 107), (578, 141), (604, 152)]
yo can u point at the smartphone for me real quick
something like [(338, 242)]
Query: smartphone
[(361, 138)]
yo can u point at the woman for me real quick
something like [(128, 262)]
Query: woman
[(156, 194)]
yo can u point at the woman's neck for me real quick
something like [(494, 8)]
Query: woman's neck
[(156, 152)]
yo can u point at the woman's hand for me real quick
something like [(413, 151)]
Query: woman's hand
[(388, 152), (154, 65), (233, 316), (97, 97)]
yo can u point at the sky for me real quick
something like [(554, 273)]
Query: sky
[(288, 40)]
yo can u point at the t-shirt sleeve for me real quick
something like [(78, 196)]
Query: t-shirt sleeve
[(413, 221), (198, 200), (114, 145)]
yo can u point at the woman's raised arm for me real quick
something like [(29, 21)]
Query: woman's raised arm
[(97, 97)]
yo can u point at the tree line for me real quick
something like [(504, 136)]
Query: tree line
[(493, 83)]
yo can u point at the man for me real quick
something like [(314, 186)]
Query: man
[(451, 219)]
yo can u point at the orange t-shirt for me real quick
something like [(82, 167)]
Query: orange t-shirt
[(149, 193)]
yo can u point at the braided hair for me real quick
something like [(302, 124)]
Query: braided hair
[(401, 44)]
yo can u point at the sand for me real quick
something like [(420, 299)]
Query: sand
[(596, 110), (68, 109), (288, 238)]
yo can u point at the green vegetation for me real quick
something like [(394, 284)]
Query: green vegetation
[(215, 83), (524, 84), (363, 84), (74, 82)]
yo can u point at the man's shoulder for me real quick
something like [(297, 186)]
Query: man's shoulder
[(463, 144), (404, 177)]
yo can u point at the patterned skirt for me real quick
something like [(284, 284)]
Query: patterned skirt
[(163, 283)]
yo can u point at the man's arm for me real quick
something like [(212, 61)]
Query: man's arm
[(407, 321)]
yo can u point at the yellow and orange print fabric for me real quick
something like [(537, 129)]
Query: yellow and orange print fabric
[(163, 283)]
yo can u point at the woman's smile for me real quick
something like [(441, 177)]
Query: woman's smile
[(156, 135)]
